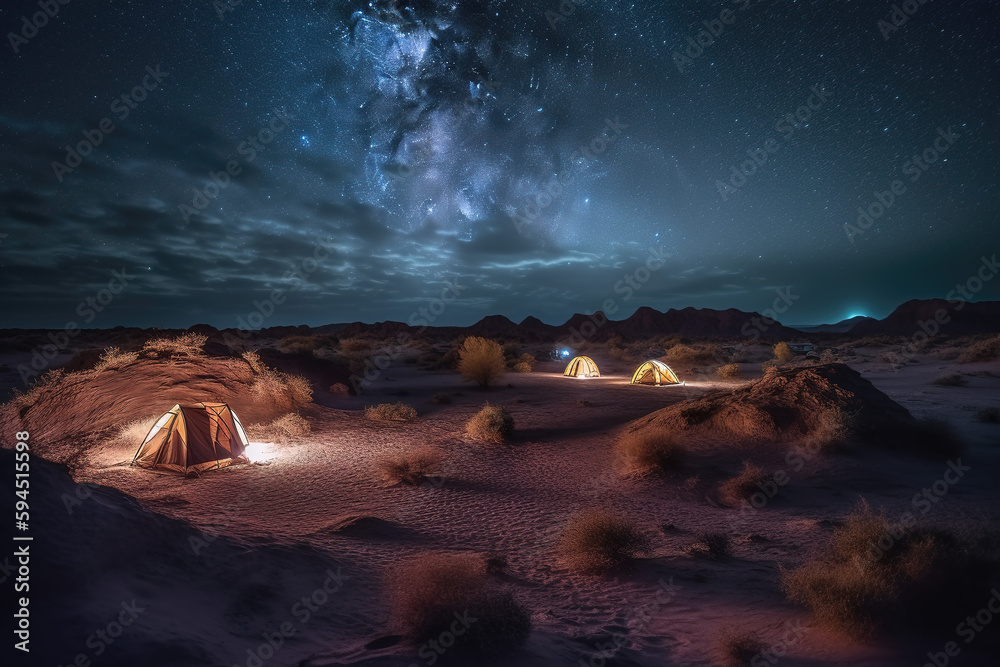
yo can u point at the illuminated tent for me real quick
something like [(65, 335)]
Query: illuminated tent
[(582, 367), (654, 372), (193, 438)]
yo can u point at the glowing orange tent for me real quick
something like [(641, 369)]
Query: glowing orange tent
[(582, 367), (654, 372), (193, 438)]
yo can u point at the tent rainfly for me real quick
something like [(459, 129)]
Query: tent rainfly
[(654, 372), (193, 438), (582, 367)]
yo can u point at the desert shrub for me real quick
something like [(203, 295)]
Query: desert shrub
[(340, 390), (188, 344), (768, 367), (283, 391), (988, 415), (751, 480), (527, 359), (951, 380), (481, 360), (640, 451), (981, 350), (738, 647), (783, 353), (681, 353), (297, 344), (283, 430), (924, 578), (492, 423), (441, 398), (29, 395), (253, 360), (521, 367), (130, 435), (728, 372), (833, 427), (712, 545), (430, 591), (112, 357), (391, 412), (409, 467), (596, 541)]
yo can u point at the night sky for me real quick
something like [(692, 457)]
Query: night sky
[(379, 151)]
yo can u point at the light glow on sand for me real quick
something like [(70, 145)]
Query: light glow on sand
[(261, 451)]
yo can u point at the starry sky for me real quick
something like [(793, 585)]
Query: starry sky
[(535, 154)]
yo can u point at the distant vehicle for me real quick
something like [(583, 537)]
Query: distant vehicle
[(560, 354)]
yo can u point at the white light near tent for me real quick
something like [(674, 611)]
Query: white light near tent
[(565, 353), (261, 451)]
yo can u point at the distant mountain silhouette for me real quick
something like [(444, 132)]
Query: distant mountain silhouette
[(952, 318), (842, 326)]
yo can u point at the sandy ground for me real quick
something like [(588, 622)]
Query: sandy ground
[(514, 499)]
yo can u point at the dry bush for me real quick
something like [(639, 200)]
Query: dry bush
[(596, 541), (645, 450), (981, 350), (917, 578), (297, 344), (481, 360), (751, 480), (31, 393), (833, 428), (728, 372), (521, 367), (410, 468), (738, 646), (783, 353), (768, 367), (681, 353), (340, 390), (112, 357), (131, 434), (253, 359), (988, 416), (400, 412), (492, 423), (282, 390), (527, 359), (951, 380), (284, 430), (188, 344), (429, 592), (712, 545)]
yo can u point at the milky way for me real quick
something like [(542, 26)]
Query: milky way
[(536, 152)]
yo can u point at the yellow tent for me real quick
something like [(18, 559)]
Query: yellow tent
[(582, 367), (654, 372), (193, 438)]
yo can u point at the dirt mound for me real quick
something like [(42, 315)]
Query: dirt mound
[(362, 525), (67, 414), (786, 405)]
